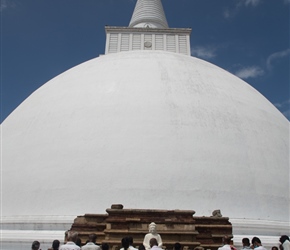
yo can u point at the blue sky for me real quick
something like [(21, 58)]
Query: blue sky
[(42, 38)]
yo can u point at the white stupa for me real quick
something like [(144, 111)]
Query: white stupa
[(148, 126)]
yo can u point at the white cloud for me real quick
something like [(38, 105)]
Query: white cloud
[(3, 5), (287, 114), (6, 4), (227, 14), (252, 2), (231, 12), (203, 52), (276, 57), (284, 107), (282, 104), (247, 3), (249, 72), (278, 105)]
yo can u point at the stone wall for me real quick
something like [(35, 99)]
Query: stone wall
[(173, 226)]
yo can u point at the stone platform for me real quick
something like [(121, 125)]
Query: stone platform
[(173, 226)]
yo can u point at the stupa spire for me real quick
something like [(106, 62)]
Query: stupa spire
[(148, 30), (149, 13)]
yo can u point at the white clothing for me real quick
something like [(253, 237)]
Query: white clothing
[(148, 237), (130, 247), (156, 248), (90, 246), (260, 248), (286, 245), (69, 246), (225, 247)]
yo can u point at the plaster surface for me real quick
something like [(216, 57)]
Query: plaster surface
[(148, 13), (148, 130)]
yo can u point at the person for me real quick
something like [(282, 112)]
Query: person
[(70, 244), (177, 246), (274, 248), (78, 242), (125, 243), (152, 234), (35, 245), (285, 242), (226, 243), (154, 244), (141, 247), (130, 238), (199, 248), (55, 244), (246, 243), (105, 246), (257, 244), (91, 245), (232, 245)]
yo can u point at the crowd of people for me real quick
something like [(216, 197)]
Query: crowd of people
[(155, 243), (255, 244)]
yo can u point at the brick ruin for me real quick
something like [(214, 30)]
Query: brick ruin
[(173, 226)]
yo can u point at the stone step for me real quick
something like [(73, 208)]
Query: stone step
[(213, 226), (123, 231), (166, 243)]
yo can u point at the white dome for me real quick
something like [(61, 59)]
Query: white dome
[(147, 130)]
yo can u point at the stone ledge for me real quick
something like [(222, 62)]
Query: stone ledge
[(120, 231)]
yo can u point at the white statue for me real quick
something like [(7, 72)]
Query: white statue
[(152, 234)]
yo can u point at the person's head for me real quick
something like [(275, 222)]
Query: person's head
[(153, 242), (246, 242), (55, 244), (274, 248), (92, 238), (105, 246), (198, 248), (130, 238), (35, 245), (125, 243), (72, 236), (283, 238), (177, 246), (78, 242), (152, 228), (256, 242), (227, 240), (141, 247)]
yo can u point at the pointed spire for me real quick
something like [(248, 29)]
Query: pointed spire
[(149, 13)]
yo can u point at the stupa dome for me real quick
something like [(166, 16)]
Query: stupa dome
[(147, 129)]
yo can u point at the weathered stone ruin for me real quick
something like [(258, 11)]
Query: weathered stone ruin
[(173, 226)]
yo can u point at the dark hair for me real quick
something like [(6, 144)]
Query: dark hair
[(141, 247), (153, 242), (283, 238), (177, 246), (227, 239), (55, 244), (72, 236), (105, 246), (78, 242), (93, 238), (274, 248), (130, 238), (256, 239), (246, 241), (35, 245), (125, 243)]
